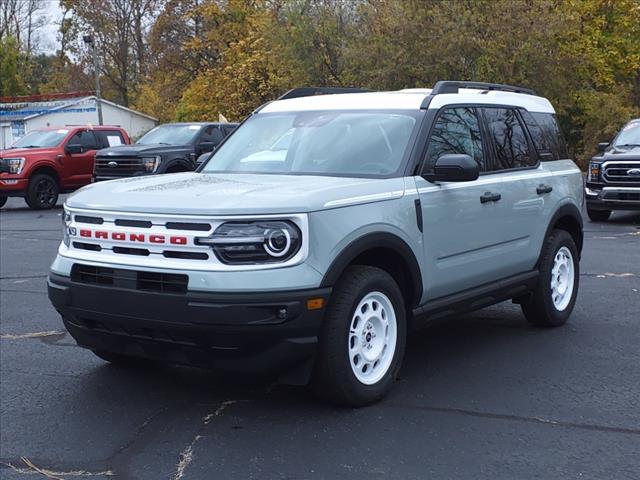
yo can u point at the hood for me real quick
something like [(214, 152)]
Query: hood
[(137, 150), (232, 194), (620, 154), (28, 152)]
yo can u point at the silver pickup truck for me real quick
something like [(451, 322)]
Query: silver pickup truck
[(323, 231)]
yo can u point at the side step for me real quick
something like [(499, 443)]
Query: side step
[(476, 298)]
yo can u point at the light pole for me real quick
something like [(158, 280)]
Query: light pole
[(88, 39)]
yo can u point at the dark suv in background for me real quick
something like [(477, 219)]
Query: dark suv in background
[(169, 148), (613, 182)]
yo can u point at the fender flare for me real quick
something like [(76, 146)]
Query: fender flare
[(175, 161), (567, 210), (50, 164), (368, 242)]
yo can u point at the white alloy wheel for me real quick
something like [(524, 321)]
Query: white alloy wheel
[(372, 338), (562, 279)]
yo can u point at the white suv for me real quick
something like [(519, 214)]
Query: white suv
[(322, 229)]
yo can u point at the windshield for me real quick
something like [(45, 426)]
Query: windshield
[(41, 138), (629, 136), (170, 135), (337, 143)]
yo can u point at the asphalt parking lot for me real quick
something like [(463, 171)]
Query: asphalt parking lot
[(481, 396)]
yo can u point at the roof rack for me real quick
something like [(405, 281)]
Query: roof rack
[(311, 91), (449, 86)]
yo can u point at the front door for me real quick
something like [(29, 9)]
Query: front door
[(468, 236), (78, 167)]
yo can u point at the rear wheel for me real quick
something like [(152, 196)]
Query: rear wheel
[(42, 192), (363, 338), (3, 200), (598, 215), (555, 296)]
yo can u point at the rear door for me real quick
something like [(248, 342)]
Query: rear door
[(78, 167), (467, 238), (527, 185)]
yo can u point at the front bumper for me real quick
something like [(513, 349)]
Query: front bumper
[(244, 332), (13, 187), (612, 198)]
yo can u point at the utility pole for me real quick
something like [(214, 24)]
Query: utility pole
[(89, 40)]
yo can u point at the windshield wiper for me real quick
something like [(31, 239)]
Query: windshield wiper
[(628, 145), (28, 146)]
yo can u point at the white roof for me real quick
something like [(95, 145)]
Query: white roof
[(409, 99)]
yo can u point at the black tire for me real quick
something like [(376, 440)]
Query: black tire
[(42, 192), (3, 200), (540, 309), (121, 360), (598, 215), (333, 377)]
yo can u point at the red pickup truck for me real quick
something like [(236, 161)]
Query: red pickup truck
[(46, 162)]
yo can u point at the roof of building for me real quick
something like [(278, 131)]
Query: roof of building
[(409, 99), (25, 110)]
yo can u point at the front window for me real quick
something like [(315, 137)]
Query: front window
[(332, 143), (629, 136), (170, 135), (41, 138)]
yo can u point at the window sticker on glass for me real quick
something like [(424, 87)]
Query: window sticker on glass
[(194, 127), (63, 131), (114, 140)]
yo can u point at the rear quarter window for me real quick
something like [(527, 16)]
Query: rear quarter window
[(546, 135)]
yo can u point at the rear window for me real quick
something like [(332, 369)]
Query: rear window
[(109, 138), (546, 135)]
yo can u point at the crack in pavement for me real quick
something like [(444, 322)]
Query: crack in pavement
[(50, 333), (186, 456), (31, 468), (23, 277), (520, 418)]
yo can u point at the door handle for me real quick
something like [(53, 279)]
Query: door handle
[(542, 189), (490, 197)]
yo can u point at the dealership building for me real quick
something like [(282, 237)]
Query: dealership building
[(20, 115)]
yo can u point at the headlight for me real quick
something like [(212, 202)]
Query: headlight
[(150, 164), (66, 229), (14, 165), (247, 243), (594, 171)]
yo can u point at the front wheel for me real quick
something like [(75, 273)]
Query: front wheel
[(363, 338), (42, 192), (555, 296), (598, 215)]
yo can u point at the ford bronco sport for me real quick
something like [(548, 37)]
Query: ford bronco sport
[(46, 162), (169, 148), (387, 210), (613, 181)]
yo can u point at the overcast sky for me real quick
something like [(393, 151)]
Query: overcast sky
[(48, 36)]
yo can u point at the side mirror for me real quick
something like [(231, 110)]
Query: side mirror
[(205, 147), (74, 148), (454, 168), (602, 146)]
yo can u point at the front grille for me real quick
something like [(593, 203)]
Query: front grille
[(130, 279), (122, 167), (618, 172)]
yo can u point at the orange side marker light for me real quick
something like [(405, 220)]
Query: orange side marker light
[(315, 303)]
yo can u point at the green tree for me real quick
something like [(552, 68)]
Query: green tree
[(11, 80)]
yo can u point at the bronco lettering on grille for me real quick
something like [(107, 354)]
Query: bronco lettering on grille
[(132, 237)]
